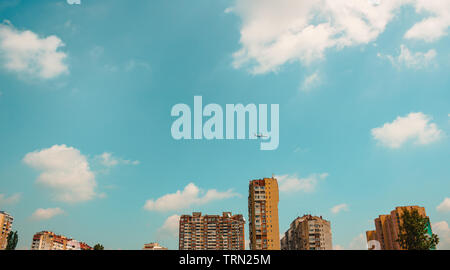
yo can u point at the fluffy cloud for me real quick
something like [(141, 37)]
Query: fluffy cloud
[(191, 195), (444, 206), (415, 126), (108, 160), (310, 82), (74, 2), (277, 32), (291, 183), (338, 208), (48, 213), (5, 200), (26, 52), (136, 64), (64, 170), (170, 227), (443, 231), (433, 27), (412, 60), (358, 243)]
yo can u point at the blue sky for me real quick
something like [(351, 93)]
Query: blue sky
[(86, 92)]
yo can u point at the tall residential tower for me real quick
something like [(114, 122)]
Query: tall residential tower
[(308, 233), (263, 214), (6, 221)]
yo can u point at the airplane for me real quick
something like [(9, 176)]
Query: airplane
[(260, 135)]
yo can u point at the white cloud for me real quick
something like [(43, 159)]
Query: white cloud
[(338, 208), (64, 170), (443, 231), (96, 52), (170, 227), (291, 183), (48, 213), (4, 200), (111, 68), (444, 206), (72, 2), (415, 127), (277, 32), (311, 82), (418, 60), (26, 52), (433, 27), (108, 160), (134, 64), (358, 243), (191, 195)]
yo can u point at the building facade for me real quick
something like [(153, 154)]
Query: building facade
[(153, 246), (387, 227), (6, 221), (370, 236), (308, 233), (46, 240), (211, 232), (263, 214)]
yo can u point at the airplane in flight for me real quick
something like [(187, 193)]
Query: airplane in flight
[(260, 135)]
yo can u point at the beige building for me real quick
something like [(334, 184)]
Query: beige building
[(46, 240), (308, 233), (211, 232), (153, 246), (6, 221), (263, 214), (387, 227)]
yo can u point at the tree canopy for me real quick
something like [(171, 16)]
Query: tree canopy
[(12, 240), (414, 232), (98, 247)]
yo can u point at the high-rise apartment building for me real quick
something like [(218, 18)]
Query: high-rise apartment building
[(153, 246), (308, 233), (263, 214), (211, 232), (387, 227), (6, 221), (46, 240)]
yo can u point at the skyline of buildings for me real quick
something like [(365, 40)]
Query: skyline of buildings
[(46, 240), (211, 232), (308, 233), (263, 201), (227, 231)]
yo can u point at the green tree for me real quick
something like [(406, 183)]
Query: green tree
[(12, 240), (414, 234), (98, 247)]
